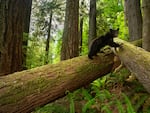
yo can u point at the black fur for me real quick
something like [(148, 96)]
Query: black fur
[(102, 41)]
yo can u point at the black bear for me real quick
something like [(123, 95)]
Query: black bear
[(102, 41)]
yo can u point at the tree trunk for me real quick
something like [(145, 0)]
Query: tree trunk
[(125, 13), (81, 32), (137, 60), (22, 92), (70, 40), (134, 19), (92, 21), (11, 35), (146, 24), (48, 38), (28, 4)]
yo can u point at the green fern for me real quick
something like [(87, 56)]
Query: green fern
[(100, 83), (120, 106), (106, 108), (71, 100), (130, 108), (88, 105), (103, 95), (140, 102), (86, 94)]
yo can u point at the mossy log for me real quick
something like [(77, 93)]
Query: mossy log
[(137, 60), (22, 92)]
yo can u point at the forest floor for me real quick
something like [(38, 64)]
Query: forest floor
[(118, 92)]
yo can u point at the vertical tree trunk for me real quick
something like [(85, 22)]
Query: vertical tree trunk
[(92, 21), (125, 13), (28, 4), (81, 31), (134, 17), (70, 41), (146, 24), (11, 35), (48, 38)]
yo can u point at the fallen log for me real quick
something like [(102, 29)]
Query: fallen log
[(137, 60), (22, 92)]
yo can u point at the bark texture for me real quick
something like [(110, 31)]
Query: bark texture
[(70, 41), (81, 33), (22, 92), (92, 21), (146, 24), (137, 60), (134, 19), (11, 35)]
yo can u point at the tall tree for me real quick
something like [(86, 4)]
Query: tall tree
[(48, 38), (28, 4), (83, 14), (146, 24), (70, 39), (81, 33), (11, 35), (134, 19), (92, 20), (49, 16)]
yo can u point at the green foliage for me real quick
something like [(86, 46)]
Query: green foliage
[(110, 14), (119, 106), (123, 31), (39, 32), (87, 106), (86, 94), (56, 47), (85, 37), (71, 100), (106, 108), (51, 108), (138, 100), (100, 82), (35, 53), (130, 108)]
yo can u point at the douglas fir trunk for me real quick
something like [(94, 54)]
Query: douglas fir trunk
[(146, 24), (133, 19), (11, 35)]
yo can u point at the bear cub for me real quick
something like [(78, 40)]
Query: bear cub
[(102, 41)]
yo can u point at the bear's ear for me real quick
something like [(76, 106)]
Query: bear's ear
[(110, 30), (117, 29)]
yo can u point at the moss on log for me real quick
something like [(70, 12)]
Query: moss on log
[(22, 92), (137, 60)]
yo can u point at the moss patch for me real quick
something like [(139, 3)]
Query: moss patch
[(19, 91)]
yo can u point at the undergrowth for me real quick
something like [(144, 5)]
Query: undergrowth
[(113, 93)]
